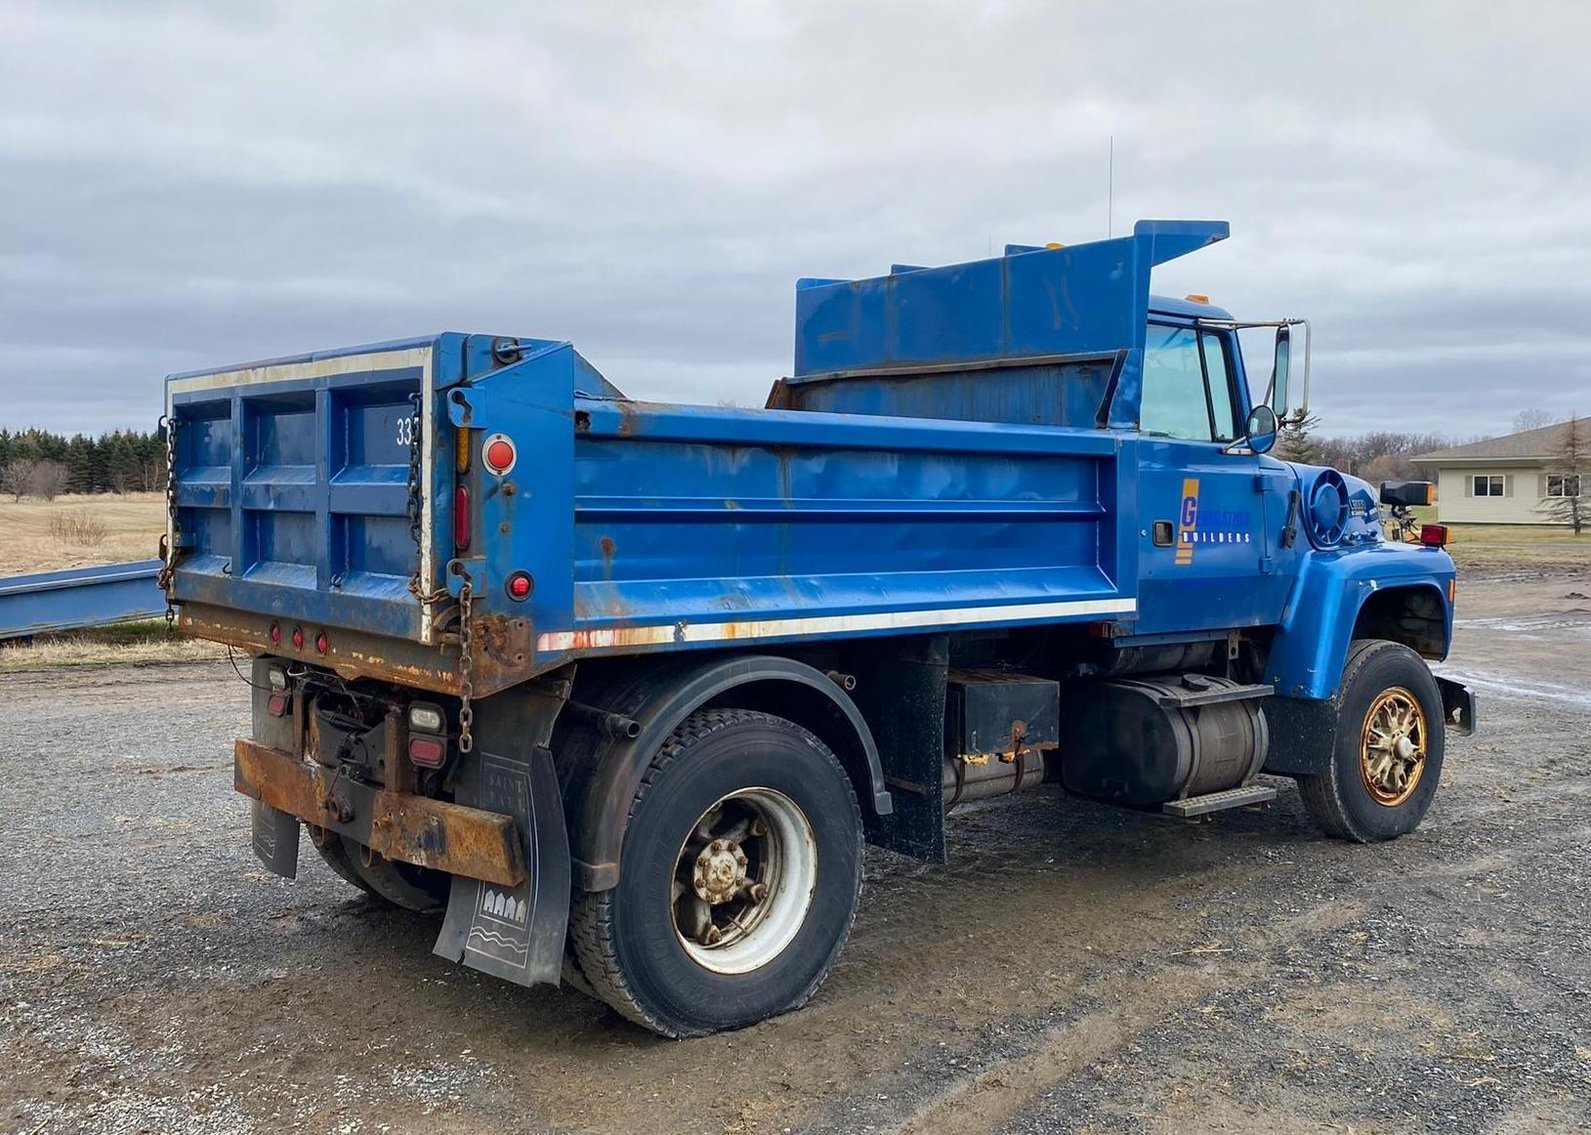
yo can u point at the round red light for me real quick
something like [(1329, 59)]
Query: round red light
[(519, 585), (322, 644), (276, 632), (499, 455), (298, 638)]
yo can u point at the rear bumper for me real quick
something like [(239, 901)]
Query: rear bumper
[(471, 842)]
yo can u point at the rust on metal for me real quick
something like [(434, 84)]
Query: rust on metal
[(506, 651), (411, 829)]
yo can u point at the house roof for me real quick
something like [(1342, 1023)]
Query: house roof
[(1540, 444)]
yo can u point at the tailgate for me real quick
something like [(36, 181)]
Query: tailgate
[(306, 489)]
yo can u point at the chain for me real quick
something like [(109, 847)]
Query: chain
[(168, 571), (466, 662)]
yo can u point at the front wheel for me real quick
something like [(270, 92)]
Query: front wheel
[(738, 881), (1388, 754)]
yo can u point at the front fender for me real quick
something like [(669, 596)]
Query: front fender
[(1311, 642)]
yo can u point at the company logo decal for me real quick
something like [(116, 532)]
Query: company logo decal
[(1187, 521), (1218, 526)]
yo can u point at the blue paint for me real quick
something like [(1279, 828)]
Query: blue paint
[(46, 602)]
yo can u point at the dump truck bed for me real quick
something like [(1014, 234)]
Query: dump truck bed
[(345, 499)]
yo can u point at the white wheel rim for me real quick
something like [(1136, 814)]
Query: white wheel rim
[(750, 839)]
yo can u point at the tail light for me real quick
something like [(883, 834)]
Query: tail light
[(280, 701), (461, 518), (276, 634), (519, 586), (427, 752), (427, 743), (298, 638), (322, 643), (1433, 535)]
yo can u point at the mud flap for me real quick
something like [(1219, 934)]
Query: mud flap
[(514, 933), (275, 838)]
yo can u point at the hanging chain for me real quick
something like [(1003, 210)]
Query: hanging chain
[(466, 661), (168, 570)]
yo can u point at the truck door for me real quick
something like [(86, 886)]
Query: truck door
[(1209, 519)]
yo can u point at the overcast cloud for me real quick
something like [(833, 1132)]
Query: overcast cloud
[(186, 185)]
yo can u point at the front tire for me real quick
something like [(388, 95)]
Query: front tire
[(738, 879), (1387, 759)]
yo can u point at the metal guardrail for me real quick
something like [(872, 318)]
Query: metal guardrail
[(51, 601)]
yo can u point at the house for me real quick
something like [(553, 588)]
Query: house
[(1508, 480)]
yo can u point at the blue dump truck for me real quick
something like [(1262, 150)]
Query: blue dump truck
[(624, 687)]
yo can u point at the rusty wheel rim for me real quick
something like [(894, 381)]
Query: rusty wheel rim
[(743, 881), (1392, 747)]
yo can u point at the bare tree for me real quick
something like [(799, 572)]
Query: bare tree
[(16, 478), (46, 480), (1568, 476), (1534, 419)]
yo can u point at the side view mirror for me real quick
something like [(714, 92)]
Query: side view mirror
[(1276, 395), (1261, 429)]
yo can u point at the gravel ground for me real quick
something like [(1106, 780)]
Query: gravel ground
[(1074, 968)]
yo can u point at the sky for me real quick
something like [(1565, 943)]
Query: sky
[(188, 185)]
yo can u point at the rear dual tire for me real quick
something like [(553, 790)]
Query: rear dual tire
[(739, 877), (399, 884)]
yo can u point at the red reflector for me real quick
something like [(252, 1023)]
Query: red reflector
[(298, 638), (276, 632), (499, 455), (277, 705), (519, 585), (322, 644), (461, 518), (427, 751), (1433, 535)]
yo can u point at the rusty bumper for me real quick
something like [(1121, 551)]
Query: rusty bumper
[(411, 829)]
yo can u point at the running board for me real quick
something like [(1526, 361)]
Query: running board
[(1219, 801)]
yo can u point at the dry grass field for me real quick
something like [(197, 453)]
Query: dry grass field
[(80, 531), (28, 543)]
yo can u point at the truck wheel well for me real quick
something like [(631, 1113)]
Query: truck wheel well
[(815, 712), (1414, 616), (600, 773)]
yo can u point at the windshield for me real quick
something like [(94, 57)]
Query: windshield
[(1187, 385)]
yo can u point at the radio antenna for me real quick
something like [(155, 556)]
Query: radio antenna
[(1110, 191)]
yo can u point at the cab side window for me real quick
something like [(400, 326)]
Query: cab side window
[(1187, 385)]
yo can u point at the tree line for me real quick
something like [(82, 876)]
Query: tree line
[(41, 464)]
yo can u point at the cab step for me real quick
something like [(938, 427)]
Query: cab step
[(1239, 797)]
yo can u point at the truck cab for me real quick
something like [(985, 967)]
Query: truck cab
[(624, 686)]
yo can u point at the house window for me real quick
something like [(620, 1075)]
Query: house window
[(1563, 485), (1488, 485)]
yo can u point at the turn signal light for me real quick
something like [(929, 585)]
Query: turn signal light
[(461, 518), (427, 752), (1433, 535), (498, 453), (520, 586)]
